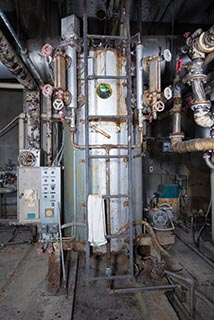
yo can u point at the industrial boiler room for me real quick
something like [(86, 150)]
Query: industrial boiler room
[(106, 159)]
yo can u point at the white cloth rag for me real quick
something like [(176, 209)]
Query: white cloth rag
[(96, 220)]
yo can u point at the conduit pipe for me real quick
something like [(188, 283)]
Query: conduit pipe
[(23, 50)]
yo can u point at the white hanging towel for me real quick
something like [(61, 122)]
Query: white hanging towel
[(96, 220)]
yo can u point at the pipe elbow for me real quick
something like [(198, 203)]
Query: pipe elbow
[(204, 119), (208, 161)]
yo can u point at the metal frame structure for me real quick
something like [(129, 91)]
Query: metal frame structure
[(107, 148)]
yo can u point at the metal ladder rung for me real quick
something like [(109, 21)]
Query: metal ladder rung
[(100, 76), (127, 119), (102, 37), (108, 157), (119, 277), (115, 196), (107, 118), (112, 236)]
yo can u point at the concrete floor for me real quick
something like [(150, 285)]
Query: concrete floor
[(24, 294)]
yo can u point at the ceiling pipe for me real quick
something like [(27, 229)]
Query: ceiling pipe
[(9, 85), (14, 64), (23, 51)]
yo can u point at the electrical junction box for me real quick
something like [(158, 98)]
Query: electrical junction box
[(28, 195), (50, 200)]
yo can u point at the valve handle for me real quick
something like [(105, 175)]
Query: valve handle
[(58, 104)]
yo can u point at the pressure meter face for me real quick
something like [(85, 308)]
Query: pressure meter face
[(104, 91)]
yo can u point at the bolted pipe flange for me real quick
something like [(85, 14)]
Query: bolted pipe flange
[(176, 136)]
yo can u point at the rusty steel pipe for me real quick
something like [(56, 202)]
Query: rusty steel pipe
[(14, 64), (150, 231), (106, 146)]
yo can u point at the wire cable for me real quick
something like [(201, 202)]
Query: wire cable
[(8, 125)]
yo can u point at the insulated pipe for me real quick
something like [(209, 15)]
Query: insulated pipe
[(202, 116), (212, 198), (139, 73), (23, 50), (32, 108), (72, 82), (140, 83), (192, 145), (21, 131), (49, 133), (198, 90), (14, 64), (205, 41), (209, 58), (200, 106)]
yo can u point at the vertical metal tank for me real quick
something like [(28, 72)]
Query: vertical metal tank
[(107, 97)]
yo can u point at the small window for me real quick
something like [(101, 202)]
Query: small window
[(104, 91)]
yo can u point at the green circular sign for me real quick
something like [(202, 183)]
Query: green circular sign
[(104, 90)]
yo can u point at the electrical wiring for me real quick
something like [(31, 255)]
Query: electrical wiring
[(2, 131), (58, 158)]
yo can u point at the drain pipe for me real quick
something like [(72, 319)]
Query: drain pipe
[(23, 50)]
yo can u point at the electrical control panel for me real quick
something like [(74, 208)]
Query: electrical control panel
[(50, 195), (29, 195), (39, 196)]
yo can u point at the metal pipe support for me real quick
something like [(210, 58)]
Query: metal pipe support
[(22, 131)]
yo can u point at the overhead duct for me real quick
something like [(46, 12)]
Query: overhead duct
[(13, 63)]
